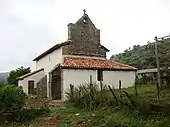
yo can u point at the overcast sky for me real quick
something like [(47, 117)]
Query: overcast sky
[(29, 27)]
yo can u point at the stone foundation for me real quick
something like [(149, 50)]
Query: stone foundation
[(34, 101)]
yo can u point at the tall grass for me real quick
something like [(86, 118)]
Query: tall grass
[(90, 96)]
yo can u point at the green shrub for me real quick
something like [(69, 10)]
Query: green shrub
[(90, 96), (112, 123), (29, 114), (136, 104), (12, 100)]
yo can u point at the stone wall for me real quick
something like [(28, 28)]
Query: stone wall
[(34, 101), (85, 39), (84, 49), (41, 90)]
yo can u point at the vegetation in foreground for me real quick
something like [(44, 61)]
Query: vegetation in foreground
[(12, 108), (124, 115)]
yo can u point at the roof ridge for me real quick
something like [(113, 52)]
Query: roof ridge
[(53, 48)]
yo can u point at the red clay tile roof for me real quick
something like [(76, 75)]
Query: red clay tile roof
[(94, 63), (57, 46)]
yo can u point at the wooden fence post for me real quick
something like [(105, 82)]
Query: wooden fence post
[(136, 82), (120, 84), (158, 92), (136, 92), (101, 85), (114, 95), (72, 91), (91, 80)]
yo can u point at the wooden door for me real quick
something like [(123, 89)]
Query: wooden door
[(31, 87), (56, 84)]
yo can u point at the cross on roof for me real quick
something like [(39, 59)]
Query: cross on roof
[(84, 11)]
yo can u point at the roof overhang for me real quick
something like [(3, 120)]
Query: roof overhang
[(103, 47), (55, 47), (104, 69), (29, 74)]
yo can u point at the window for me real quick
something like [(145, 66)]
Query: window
[(85, 20), (99, 75), (31, 87)]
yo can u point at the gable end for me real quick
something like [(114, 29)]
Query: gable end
[(55, 47)]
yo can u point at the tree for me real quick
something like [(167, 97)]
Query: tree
[(129, 48), (148, 42), (143, 57), (139, 57), (14, 74), (126, 51)]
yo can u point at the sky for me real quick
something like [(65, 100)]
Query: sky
[(29, 27)]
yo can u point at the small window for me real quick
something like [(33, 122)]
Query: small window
[(31, 87), (99, 75), (85, 20)]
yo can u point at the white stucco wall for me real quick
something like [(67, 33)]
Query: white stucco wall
[(77, 77), (36, 77), (49, 61), (112, 78)]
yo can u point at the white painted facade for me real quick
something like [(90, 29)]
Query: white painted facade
[(82, 76), (75, 76), (36, 77), (112, 78), (53, 57), (49, 61)]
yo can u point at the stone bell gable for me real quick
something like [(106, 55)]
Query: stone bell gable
[(85, 39)]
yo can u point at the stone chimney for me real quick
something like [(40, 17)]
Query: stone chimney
[(70, 31)]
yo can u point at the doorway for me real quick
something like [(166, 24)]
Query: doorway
[(56, 84)]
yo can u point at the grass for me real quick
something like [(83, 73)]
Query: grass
[(149, 94), (68, 115)]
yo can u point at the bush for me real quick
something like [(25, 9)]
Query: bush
[(90, 96), (115, 124), (12, 100), (135, 104), (29, 114)]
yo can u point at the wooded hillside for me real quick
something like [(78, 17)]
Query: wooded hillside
[(143, 57), (3, 77)]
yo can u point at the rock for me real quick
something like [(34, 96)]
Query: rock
[(77, 114)]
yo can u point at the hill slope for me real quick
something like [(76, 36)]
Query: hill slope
[(3, 77), (143, 57)]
